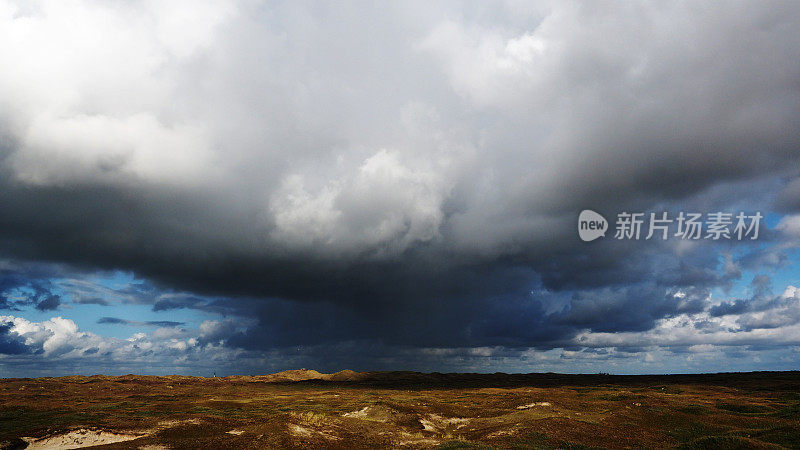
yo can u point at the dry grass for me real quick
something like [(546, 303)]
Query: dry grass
[(759, 410)]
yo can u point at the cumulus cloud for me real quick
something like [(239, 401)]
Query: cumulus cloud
[(774, 327), (58, 345)]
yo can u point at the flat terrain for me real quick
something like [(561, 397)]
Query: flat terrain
[(395, 409)]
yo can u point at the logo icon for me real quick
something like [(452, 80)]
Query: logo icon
[(591, 225)]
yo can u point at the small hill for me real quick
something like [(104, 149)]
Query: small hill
[(345, 375), (293, 375)]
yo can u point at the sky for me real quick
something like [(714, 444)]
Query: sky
[(243, 187)]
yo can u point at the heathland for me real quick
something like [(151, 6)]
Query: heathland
[(304, 408)]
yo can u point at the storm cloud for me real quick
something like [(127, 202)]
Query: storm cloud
[(402, 174)]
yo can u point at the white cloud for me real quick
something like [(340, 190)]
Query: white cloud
[(55, 337), (790, 226), (60, 339), (87, 84), (490, 69), (333, 137), (84, 148), (777, 325), (382, 201)]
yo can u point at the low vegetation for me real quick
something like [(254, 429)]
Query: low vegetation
[(403, 409)]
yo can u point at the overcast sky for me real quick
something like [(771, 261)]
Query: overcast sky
[(246, 186)]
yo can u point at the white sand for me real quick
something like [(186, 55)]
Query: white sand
[(79, 439), (533, 405)]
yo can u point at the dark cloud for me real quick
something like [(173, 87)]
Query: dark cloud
[(761, 299), (92, 301), (178, 302), (788, 200), (149, 323), (633, 308), (734, 307), (49, 303), (27, 284), (11, 344)]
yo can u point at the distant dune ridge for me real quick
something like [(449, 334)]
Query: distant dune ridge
[(410, 378), (279, 377), (300, 375)]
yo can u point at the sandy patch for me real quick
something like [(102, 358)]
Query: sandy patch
[(79, 439), (360, 414), (437, 423), (505, 432), (235, 432), (416, 440), (378, 413), (299, 431), (174, 423), (90, 437), (534, 405), (304, 432)]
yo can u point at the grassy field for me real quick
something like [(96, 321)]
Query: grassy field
[(396, 409)]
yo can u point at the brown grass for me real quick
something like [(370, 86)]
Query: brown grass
[(404, 409)]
